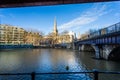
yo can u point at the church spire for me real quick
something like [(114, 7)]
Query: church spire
[(55, 31)]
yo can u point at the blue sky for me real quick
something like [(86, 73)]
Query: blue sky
[(78, 18)]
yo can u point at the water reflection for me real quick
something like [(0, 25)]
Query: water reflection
[(52, 60), (9, 61), (39, 60)]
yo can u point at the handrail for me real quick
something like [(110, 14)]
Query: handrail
[(95, 72), (104, 31)]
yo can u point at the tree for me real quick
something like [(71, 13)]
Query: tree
[(41, 33), (64, 32), (25, 37), (8, 35)]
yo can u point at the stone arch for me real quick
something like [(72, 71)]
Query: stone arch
[(107, 49), (114, 54), (87, 47)]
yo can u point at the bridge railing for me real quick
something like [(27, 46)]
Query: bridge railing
[(113, 28), (108, 30), (32, 76)]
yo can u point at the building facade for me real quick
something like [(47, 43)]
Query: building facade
[(15, 35), (11, 35), (33, 38)]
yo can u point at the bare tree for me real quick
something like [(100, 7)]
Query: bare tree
[(64, 32)]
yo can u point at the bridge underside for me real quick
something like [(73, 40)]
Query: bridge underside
[(21, 3), (115, 54)]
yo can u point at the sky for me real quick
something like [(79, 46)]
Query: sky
[(79, 18)]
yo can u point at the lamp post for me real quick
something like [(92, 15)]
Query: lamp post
[(0, 31)]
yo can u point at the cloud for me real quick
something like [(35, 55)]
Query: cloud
[(89, 16)]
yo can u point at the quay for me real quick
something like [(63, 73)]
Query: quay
[(14, 46)]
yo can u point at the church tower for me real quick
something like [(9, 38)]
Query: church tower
[(55, 31)]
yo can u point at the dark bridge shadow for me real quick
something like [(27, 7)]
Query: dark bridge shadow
[(115, 54)]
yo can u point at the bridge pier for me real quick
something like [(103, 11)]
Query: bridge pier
[(80, 47), (105, 51), (97, 51), (76, 46)]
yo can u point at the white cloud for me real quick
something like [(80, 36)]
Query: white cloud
[(89, 16)]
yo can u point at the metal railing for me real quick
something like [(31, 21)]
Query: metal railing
[(32, 76), (104, 31)]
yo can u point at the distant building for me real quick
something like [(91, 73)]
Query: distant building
[(61, 38), (79, 36), (55, 31), (72, 36), (14, 35), (11, 35), (84, 36), (57, 38), (32, 38), (66, 38)]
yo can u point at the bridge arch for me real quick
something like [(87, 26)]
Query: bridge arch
[(87, 47), (92, 48), (107, 49), (114, 54)]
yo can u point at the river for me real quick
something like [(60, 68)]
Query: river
[(55, 60)]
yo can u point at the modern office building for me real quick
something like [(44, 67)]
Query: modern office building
[(11, 34), (15, 35)]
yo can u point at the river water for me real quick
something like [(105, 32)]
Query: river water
[(55, 60)]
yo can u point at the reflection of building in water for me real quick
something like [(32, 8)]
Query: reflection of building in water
[(10, 62)]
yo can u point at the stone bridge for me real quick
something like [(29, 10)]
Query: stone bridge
[(104, 42)]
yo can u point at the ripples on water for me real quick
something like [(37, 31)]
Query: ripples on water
[(48, 60), (41, 60), (38, 60)]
